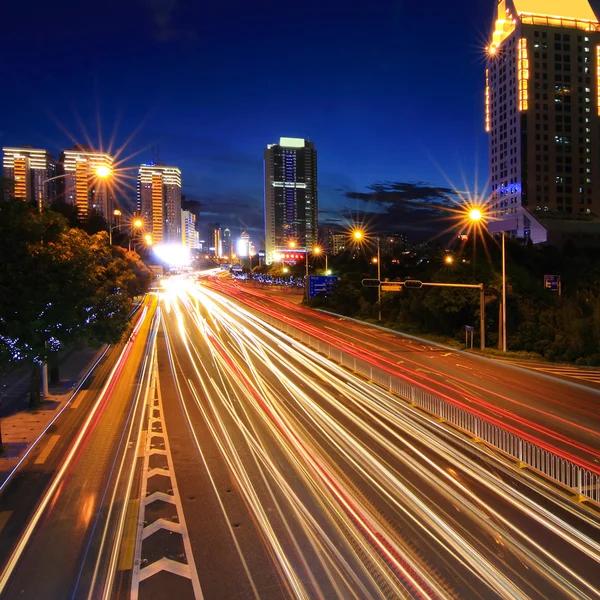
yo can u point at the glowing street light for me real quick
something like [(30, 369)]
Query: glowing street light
[(449, 259), (476, 216), (138, 223), (358, 235), (148, 239), (103, 172)]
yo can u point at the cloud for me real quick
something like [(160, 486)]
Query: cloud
[(416, 207)]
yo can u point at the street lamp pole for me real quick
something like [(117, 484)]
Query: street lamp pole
[(503, 293), (379, 276)]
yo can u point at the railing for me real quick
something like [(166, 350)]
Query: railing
[(583, 482)]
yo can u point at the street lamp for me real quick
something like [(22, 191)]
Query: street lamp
[(358, 235), (318, 250), (101, 172), (476, 216), (449, 260), (116, 213)]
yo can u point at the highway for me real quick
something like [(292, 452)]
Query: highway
[(220, 459), (299, 479), (553, 412), (65, 507)]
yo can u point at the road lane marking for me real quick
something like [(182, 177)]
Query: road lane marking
[(79, 399), (45, 453), (4, 516), (142, 444), (129, 536)]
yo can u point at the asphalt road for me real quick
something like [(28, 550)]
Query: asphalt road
[(557, 412), (61, 536), (299, 479)]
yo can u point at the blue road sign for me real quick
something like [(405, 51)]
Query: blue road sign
[(469, 328), (552, 282), (321, 284)]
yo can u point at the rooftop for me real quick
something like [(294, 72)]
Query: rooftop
[(579, 10)]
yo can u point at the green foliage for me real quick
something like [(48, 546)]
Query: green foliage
[(541, 323), (60, 285)]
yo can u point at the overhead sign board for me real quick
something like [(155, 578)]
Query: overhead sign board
[(321, 284), (413, 284), (371, 283), (391, 287)]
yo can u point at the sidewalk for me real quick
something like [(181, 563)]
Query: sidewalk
[(21, 426)]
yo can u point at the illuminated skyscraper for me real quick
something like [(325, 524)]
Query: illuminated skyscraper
[(82, 186), (159, 202), (291, 207), (29, 168), (542, 113), (189, 235), (227, 244)]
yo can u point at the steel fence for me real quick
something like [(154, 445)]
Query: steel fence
[(583, 482)]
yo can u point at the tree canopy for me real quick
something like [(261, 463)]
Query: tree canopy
[(60, 285)]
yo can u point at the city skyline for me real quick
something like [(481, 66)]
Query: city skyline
[(372, 105)]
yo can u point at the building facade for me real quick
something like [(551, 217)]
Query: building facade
[(227, 244), (291, 202), (30, 169), (337, 242), (81, 185), (189, 236), (159, 202), (542, 114)]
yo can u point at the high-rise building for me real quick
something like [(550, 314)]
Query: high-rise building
[(189, 236), (542, 113), (81, 184), (337, 242), (215, 239), (159, 202), (30, 168), (291, 206), (227, 243)]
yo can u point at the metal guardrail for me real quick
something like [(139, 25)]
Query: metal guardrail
[(583, 482)]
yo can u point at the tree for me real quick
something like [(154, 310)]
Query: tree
[(59, 286)]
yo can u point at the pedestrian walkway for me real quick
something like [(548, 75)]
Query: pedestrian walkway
[(21, 426)]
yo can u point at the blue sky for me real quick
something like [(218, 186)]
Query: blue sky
[(389, 90)]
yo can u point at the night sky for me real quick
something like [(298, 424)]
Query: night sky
[(389, 91)]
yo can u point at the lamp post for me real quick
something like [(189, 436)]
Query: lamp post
[(476, 215), (116, 213), (102, 172), (358, 236), (137, 224)]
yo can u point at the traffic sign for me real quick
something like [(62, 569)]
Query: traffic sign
[(371, 282), (321, 284), (391, 287), (413, 284), (552, 282)]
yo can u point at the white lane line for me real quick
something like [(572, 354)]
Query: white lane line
[(204, 461), (188, 570), (35, 442), (113, 565), (18, 551)]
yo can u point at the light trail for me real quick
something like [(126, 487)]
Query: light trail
[(74, 451), (588, 456), (344, 462)]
